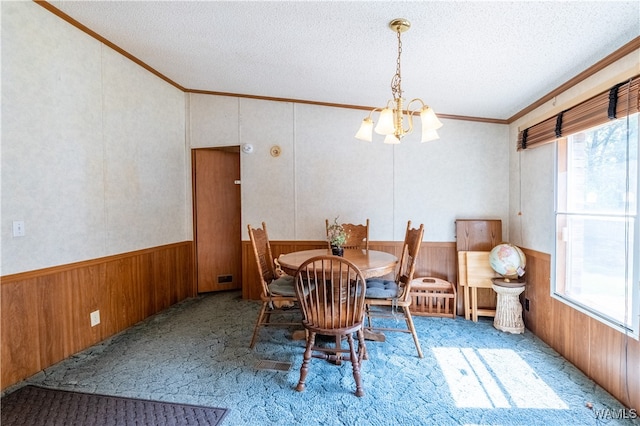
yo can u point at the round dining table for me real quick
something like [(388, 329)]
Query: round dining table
[(372, 263)]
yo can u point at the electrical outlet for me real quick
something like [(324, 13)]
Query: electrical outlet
[(526, 304), (95, 318)]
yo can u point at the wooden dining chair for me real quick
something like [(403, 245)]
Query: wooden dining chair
[(357, 235), (357, 238), (277, 294), (392, 298), (331, 292)]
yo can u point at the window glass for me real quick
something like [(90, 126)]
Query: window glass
[(596, 221)]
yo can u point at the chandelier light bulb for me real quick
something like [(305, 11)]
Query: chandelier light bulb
[(365, 133), (429, 135), (391, 139), (429, 119), (385, 123)]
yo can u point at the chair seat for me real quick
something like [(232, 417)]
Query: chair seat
[(282, 286), (378, 288)]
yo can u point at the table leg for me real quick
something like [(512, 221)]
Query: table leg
[(467, 310), (474, 304)]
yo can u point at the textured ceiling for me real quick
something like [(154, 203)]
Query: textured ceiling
[(466, 58)]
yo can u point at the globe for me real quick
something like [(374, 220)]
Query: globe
[(507, 260)]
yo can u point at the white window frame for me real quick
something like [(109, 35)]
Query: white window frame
[(632, 329)]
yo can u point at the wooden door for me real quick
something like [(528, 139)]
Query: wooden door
[(478, 235), (217, 218)]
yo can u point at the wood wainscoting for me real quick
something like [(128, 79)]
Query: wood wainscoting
[(604, 354), (45, 313)]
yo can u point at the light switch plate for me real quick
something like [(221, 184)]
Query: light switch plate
[(18, 228)]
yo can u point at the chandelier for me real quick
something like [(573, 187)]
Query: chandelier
[(391, 120)]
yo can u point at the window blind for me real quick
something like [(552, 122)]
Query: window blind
[(619, 101)]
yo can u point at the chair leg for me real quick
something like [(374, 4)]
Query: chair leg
[(368, 315), (338, 348), (304, 369), (259, 323), (355, 364), (362, 347), (412, 328)]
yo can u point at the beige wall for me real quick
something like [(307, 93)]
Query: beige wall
[(325, 172), (93, 152), (96, 157)]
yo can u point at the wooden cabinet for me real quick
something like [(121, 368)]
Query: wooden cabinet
[(478, 235)]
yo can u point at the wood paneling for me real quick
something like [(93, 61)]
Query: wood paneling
[(437, 259), (20, 331), (609, 357), (45, 313)]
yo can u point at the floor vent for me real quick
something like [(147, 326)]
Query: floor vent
[(273, 365)]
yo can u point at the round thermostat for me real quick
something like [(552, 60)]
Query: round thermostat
[(276, 151)]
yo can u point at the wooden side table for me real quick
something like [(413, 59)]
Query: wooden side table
[(508, 308)]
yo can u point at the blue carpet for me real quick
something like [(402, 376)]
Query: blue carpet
[(197, 353)]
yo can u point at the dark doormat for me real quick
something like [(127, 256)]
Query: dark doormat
[(35, 406)]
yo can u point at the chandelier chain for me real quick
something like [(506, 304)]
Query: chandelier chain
[(396, 81)]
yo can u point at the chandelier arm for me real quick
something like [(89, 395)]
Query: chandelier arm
[(410, 122), (372, 111), (409, 110), (410, 113)]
